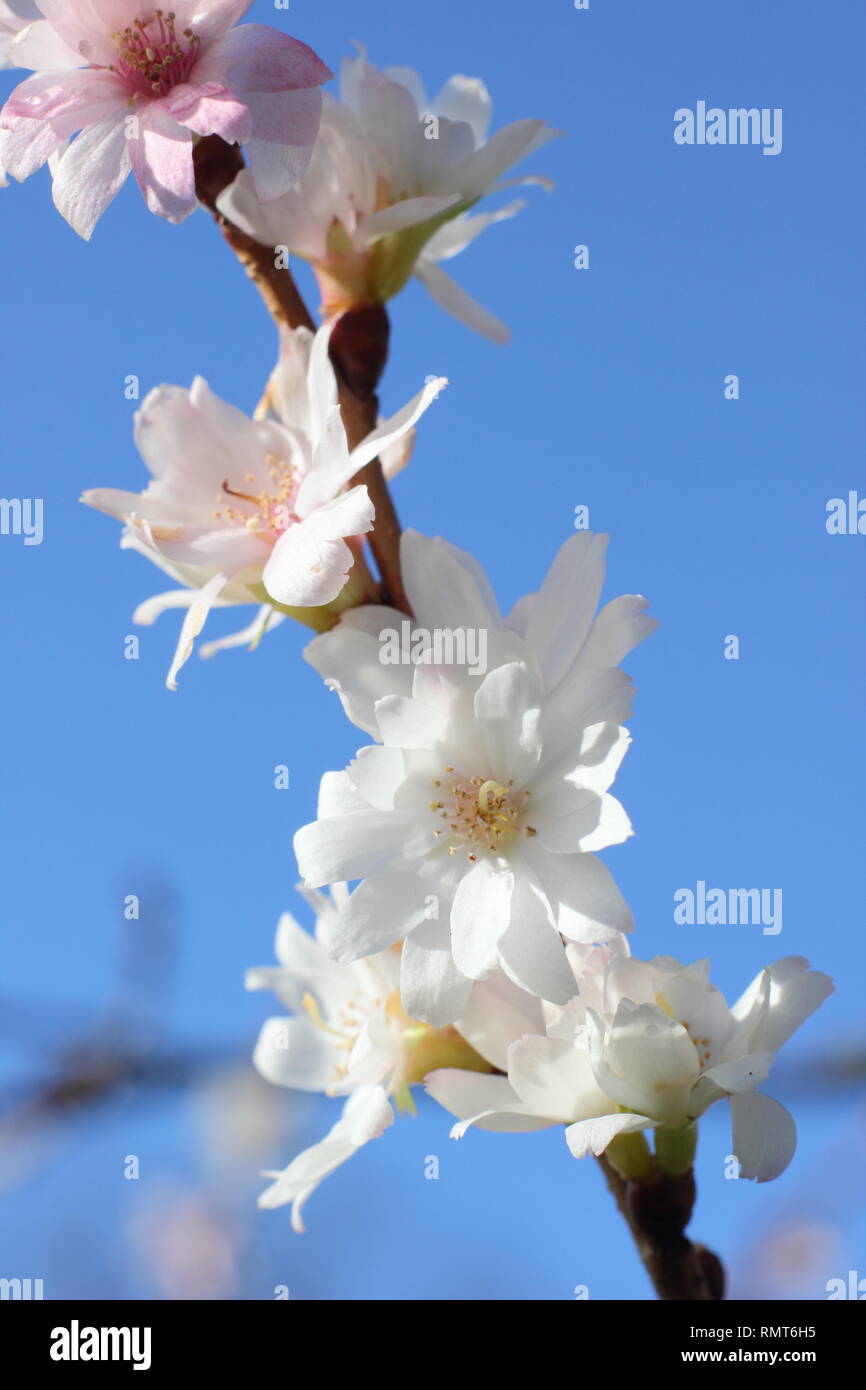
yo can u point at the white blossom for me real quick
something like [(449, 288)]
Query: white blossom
[(475, 821)]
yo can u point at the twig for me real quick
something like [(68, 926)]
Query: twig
[(657, 1211), (359, 349)]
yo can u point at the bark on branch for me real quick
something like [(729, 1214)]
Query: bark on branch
[(657, 1211), (359, 350)]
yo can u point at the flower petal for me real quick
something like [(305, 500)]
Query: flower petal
[(447, 586), (455, 301), (531, 951), (488, 1102), (310, 563), (593, 1136), (161, 154), (497, 1013), (293, 1052), (90, 173), (508, 709), (389, 431), (208, 109), (344, 848), (764, 1135), (41, 48), (194, 621), (378, 914), (366, 1114), (431, 987), (480, 914)]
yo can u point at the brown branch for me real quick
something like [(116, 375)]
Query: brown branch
[(359, 349), (657, 1210), (217, 165)]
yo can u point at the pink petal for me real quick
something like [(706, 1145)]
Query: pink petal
[(208, 109), (284, 129), (212, 546), (40, 47), (212, 17), (69, 101), (26, 145), (87, 25), (255, 58), (161, 155), (90, 173)]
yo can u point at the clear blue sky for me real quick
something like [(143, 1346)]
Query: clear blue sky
[(703, 262)]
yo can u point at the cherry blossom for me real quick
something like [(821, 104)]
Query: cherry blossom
[(389, 187), (136, 85)]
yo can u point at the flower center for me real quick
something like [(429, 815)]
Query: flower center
[(272, 508), (344, 1027), (479, 814), (702, 1046), (152, 56)]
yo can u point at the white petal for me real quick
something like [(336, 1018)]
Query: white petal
[(431, 987), (742, 1075), (410, 212), (454, 236), (593, 1136), (90, 173), (497, 1013), (504, 149), (389, 431), (309, 565), (508, 708), (480, 914), (150, 609), (447, 587), (566, 603), (366, 1115), (293, 1052), (554, 1077), (266, 618), (485, 1101), (571, 819), (321, 379), (764, 1135), (349, 660), (455, 301), (41, 48), (193, 622), (617, 630), (343, 848), (791, 994), (465, 99), (378, 914), (587, 904), (531, 951)]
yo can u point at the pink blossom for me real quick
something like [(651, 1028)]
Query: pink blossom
[(254, 511), (138, 84)]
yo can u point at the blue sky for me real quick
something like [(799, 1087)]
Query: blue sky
[(704, 261)]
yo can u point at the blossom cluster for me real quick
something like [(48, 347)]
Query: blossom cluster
[(468, 936), (483, 919)]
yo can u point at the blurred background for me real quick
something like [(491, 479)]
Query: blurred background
[(132, 1125)]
